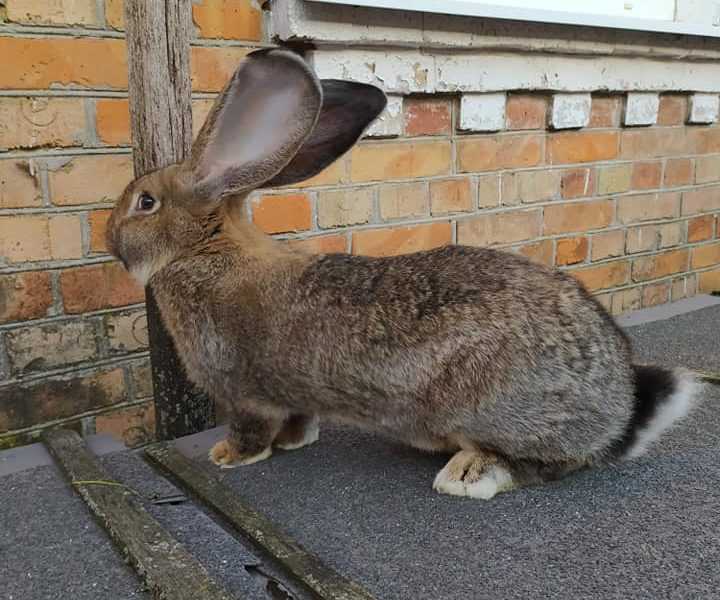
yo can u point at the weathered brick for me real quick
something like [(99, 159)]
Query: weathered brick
[(705, 256), (98, 220), (709, 281), (582, 146), (707, 169), (41, 63), (673, 109), (604, 276), (678, 171), (605, 300), (701, 228), (647, 207), (530, 186), (678, 291), (36, 122), (499, 228), (576, 183), (228, 19), (526, 111), (571, 251), (126, 332), (625, 300), (22, 406), (539, 252), (112, 121), (132, 425), (582, 216), (401, 240), (608, 244), (606, 111), (335, 173), (42, 347), (19, 184), (703, 140), (25, 296), (657, 293), (212, 66), (280, 214), (345, 207), (701, 201), (87, 179), (451, 195), (652, 143), (670, 234), (24, 238), (115, 14), (641, 239), (65, 232), (614, 179), (646, 175), (323, 244), (200, 108), (660, 265), (142, 380), (98, 286), (489, 190), (427, 116), (489, 153), (403, 200), (53, 12), (399, 160)]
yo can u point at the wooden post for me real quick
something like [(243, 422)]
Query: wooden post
[(158, 43)]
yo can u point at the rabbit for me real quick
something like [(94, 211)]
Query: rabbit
[(511, 366)]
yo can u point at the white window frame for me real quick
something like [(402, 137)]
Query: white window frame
[(480, 9)]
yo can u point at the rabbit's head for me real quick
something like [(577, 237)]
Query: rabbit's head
[(274, 124)]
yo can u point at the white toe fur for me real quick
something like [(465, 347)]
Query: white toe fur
[(249, 460), (311, 435), (494, 479)]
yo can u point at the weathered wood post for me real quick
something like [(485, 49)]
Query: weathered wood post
[(158, 46)]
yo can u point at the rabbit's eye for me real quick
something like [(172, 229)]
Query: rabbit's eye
[(145, 202)]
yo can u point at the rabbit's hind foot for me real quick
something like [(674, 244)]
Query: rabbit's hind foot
[(225, 455), (476, 474)]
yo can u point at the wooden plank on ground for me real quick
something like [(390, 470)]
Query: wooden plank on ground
[(305, 568), (708, 377), (168, 569)]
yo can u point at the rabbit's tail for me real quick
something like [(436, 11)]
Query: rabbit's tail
[(662, 397)]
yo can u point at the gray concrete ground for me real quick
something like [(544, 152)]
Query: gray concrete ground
[(646, 529)]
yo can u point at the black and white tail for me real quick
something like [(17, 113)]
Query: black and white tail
[(662, 397)]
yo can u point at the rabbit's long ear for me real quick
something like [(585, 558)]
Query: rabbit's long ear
[(348, 108), (258, 123)]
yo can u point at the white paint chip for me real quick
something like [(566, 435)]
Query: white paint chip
[(570, 111), (482, 112), (641, 108), (390, 121), (704, 108)]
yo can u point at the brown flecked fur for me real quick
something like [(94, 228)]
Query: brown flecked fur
[(453, 348)]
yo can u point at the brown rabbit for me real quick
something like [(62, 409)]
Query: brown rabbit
[(510, 364)]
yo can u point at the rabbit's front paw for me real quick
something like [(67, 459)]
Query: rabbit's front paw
[(474, 474), (225, 455)]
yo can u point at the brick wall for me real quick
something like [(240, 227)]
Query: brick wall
[(632, 211)]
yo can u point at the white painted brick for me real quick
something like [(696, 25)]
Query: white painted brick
[(390, 121), (570, 111), (704, 108), (482, 112), (641, 108)]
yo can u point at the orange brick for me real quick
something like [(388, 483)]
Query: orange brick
[(701, 201), (324, 244), (652, 143), (41, 63), (499, 228), (646, 175), (401, 240), (657, 293), (660, 265), (673, 109), (576, 183), (403, 200), (25, 296), (582, 146), (582, 216), (399, 160), (703, 140), (86, 179), (18, 187), (280, 214), (65, 232), (571, 251), (98, 286), (701, 228), (228, 19), (709, 281), (44, 12), (115, 14), (678, 171), (705, 256), (539, 252), (113, 121), (647, 207), (450, 195), (489, 153), (212, 66), (707, 169), (606, 111), (133, 425), (427, 116), (25, 238), (604, 276), (34, 122), (98, 225), (526, 111), (608, 244)]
